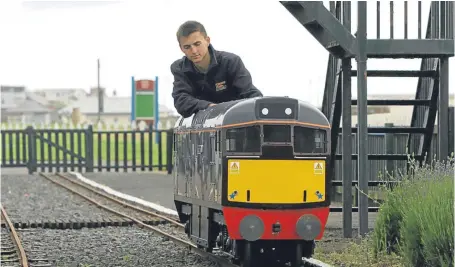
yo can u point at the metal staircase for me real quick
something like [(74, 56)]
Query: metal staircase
[(332, 29)]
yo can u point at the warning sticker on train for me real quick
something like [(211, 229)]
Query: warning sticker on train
[(234, 167), (318, 168)]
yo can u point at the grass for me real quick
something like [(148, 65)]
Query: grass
[(415, 224), (358, 254), (14, 146)]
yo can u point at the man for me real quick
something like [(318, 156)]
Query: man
[(205, 77)]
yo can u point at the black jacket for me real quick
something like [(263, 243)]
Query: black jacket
[(226, 79)]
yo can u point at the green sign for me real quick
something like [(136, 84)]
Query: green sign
[(145, 105)]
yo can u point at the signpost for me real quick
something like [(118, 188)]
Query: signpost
[(144, 102)]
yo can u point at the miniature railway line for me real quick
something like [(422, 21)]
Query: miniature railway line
[(149, 217), (137, 216), (12, 252), (13, 249)]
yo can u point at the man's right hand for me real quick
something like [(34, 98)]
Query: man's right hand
[(211, 105)]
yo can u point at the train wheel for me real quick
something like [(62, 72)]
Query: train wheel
[(209, 249)]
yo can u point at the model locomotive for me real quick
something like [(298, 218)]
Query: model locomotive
[(250, 178)]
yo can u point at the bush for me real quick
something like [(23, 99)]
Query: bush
[(416, 219)]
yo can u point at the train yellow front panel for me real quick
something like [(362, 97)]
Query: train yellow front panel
[(276, 181)]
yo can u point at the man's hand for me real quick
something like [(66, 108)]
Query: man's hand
[(211, 105)]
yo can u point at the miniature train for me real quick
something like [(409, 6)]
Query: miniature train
[(250, 178)]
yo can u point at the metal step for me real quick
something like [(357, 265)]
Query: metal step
[(382, 156), (395, 102), (354, 209), (323, 26), (399, 73), (396, 129), (370, 183)]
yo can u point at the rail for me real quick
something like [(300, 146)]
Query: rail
[(17, 242), (107, 196)]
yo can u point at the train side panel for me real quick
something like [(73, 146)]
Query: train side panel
[(198, 185)]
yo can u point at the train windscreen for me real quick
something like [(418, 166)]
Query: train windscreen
[(244, 139), (310, 140), (277, 134)]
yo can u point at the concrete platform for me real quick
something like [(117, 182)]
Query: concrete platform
[(158, 188)]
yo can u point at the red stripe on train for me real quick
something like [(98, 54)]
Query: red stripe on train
[(287, 218)]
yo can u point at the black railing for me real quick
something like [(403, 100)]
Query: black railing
[(86, 150)]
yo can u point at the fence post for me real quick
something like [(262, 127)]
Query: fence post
[(89, 149), (31, 163), (451, 131), (169, 150)]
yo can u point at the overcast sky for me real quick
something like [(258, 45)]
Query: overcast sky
[(56, 44)]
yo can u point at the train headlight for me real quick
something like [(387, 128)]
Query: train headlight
[(308, 227), (277, 108), (251, 228)]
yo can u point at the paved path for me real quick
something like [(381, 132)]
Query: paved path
[(157, 188)]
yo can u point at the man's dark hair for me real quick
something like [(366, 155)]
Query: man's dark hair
[(188, 28)]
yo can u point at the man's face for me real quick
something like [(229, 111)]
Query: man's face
[(195, 46)]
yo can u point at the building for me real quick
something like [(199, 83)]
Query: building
[(117, 110), (65, 96), (21, 106), (46, 106)]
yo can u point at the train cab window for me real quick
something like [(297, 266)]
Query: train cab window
[(245, 139), (277, 134), (310, 140)]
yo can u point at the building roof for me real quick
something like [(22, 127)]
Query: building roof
[(55, 90), (28, 106)]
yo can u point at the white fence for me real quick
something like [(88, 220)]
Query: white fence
[(142, 126)]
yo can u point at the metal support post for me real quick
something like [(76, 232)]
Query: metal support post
[(443, 112), (347, 150), (347, 132), (362, 132)]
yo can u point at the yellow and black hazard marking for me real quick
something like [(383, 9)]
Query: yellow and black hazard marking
[(234, 167), (319, 168)]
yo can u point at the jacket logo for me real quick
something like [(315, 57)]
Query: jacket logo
[(220, 86)]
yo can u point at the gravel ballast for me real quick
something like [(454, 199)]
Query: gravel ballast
[(118, 207), (119, 246), (33, 198)]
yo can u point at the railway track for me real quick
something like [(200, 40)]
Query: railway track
[(90, 193), (142, 218), (13, 253)]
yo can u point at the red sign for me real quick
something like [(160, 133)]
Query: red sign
[(145, 85)]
